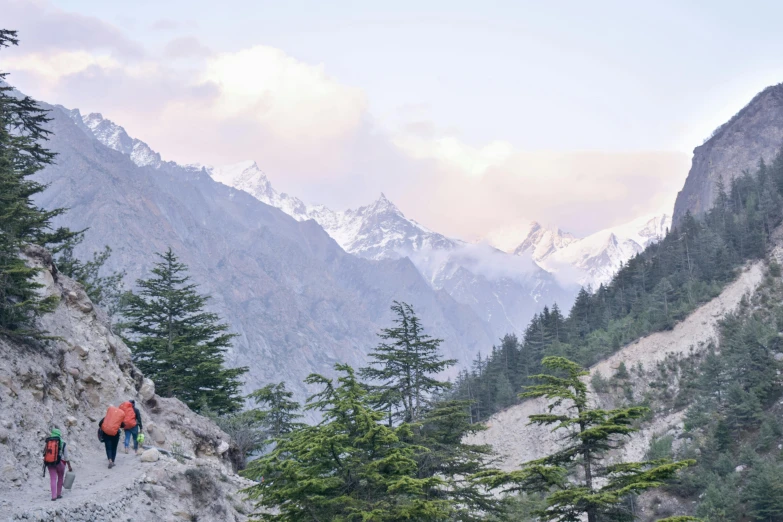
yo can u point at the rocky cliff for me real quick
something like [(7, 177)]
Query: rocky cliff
[(68, 383), (753, 133)]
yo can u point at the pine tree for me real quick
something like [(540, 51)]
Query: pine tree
[(276, 410), (350, 467), (179, 345), (404, 366), (764, 492), (444, 431), (104, 290), (22, 154), (597, 490)]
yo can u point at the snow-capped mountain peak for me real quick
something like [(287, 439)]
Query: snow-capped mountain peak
[(379, 206), (237, 172), (543, 241), (591, 260), (247, 176), (115, 137)]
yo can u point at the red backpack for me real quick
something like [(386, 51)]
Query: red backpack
[(112, 422), (52, 451), (130, 415)]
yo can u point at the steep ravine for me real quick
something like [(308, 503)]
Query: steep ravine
[(69, 383)]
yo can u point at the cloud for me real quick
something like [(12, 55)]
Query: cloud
[(295, 101), (51, 67), (186, 47), (45, 28), (452, 152), (165, 24), (315, 135), (480, 258), (581, 192)]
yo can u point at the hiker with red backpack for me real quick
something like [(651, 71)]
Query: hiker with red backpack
[(132, 424), (55, 458), (109, 432)]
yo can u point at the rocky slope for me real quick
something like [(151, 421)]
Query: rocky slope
[(754, 133), (69, 383), (516, 441), (299, 303)]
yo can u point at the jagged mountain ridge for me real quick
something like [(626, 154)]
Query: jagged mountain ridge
[(754, 133), (592, 260), (375, 231), (504, 296), (299, 303), (502, 290)]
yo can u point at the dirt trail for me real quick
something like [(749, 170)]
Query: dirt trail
[(68, 383), (516, 442), (95, 482)]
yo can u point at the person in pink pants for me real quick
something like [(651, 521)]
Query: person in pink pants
[(57, 471), (56, 474)]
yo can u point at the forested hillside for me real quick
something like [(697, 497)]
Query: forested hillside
[(653, 291)]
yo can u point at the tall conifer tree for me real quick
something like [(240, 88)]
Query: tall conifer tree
[(178, 344), (350, 467), (277, 412), (405, 366), (22, 154), (576, 478)]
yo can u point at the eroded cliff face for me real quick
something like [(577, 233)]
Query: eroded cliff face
[(69, 383), (755, 132)]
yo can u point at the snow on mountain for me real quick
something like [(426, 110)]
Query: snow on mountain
[(248, 177), (591, 260), (115, 137), (541, 242), (375, 231), (503, 289)]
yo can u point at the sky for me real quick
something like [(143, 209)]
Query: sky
[(470, 116)]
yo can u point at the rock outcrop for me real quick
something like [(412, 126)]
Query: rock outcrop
[(755, 132), (69, 382)]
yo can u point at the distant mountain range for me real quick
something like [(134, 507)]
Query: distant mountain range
[(324, 307), (590, 261)]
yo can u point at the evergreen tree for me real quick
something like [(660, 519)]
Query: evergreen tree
[(597, 490), (276, 410), (22, 154), (405, 365), (764, 492), (350, 467), (459, 464), (178, 344), (104, 290)]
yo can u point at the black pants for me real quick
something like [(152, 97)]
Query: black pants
[(111, 442)]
